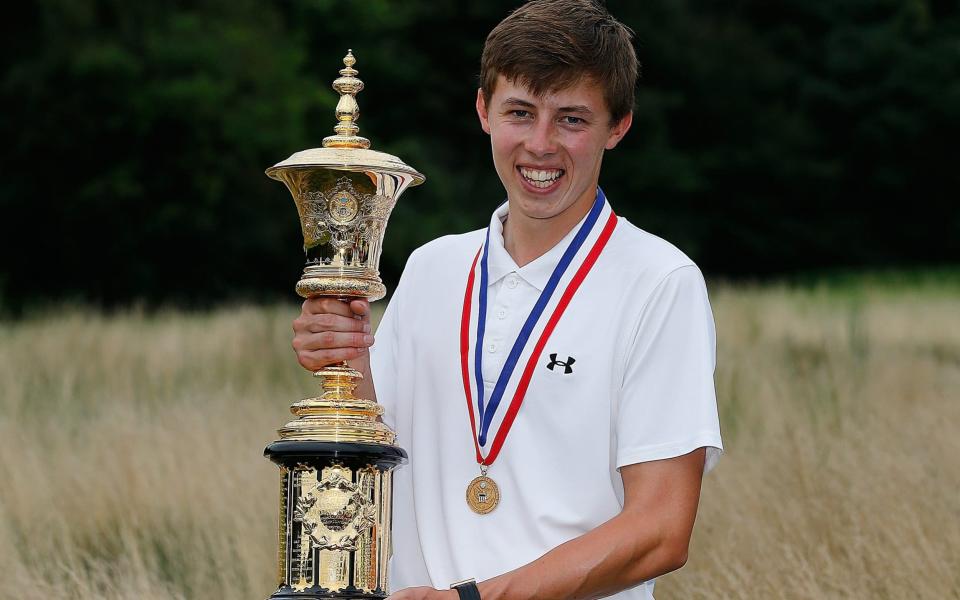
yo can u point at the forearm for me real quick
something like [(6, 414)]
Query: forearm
[(618, 554), (365, 388), (648, 538)]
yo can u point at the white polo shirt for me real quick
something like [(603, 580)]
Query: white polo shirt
[(633, 359)]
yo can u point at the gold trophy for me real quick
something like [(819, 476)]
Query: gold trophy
[(336, 458)]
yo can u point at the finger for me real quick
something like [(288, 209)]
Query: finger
[(320, 305), (331, 340), (360, 307), (329, 322), (318, 359)]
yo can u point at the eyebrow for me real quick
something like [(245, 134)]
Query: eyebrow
[(578, 108), (517, 102)]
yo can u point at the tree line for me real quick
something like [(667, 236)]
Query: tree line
[(768, 138)]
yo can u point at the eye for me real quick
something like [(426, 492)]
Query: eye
[(571, 120), (520, 114)]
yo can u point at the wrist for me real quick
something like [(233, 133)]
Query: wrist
[(466, 589), (361, 363), (365, 386)]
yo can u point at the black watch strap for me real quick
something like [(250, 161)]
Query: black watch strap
[(467, 589)]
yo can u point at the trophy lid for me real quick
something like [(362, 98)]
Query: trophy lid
[(346, 150)]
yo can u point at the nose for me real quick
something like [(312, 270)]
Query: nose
[(541, 139)]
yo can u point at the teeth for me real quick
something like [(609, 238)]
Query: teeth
[(541, 178)]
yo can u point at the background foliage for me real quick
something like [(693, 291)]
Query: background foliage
[(769, 138)]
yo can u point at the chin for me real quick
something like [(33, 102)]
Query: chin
[(539, 207)]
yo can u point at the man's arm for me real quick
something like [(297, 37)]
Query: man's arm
[(648, 538)]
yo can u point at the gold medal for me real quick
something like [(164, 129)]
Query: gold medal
[(483, 495)]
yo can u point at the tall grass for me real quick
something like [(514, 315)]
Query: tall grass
[(130, 453), (131, 467), (840, 411)]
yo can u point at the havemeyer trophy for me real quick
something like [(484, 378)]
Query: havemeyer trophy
[(335, 457)]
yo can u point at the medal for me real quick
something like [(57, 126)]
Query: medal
[(483, 494)]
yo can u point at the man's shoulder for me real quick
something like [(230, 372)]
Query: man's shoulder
[(449, 247), (645, 255), (448, 252)]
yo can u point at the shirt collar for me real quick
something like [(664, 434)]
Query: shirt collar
[(537, 272)]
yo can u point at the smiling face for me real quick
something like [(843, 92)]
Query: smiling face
[(547, 149)]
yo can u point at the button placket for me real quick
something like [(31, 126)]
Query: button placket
[(501, 329), (492, 346)]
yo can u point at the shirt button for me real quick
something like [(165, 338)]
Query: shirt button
[(492, 347), (502, 313), (512, 283)]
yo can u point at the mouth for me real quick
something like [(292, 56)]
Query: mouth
[(540, 179)]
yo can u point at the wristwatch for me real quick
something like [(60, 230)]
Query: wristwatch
[(467, 589)]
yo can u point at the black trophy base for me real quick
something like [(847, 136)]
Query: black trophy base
[(355, 474), (289, 453)]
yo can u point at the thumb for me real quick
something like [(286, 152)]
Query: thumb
[(360, 307)]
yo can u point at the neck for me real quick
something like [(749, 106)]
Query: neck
[(526, 239), (526, 242)]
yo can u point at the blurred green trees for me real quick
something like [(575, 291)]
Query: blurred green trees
[(768, 137)]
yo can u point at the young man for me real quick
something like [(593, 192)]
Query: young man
[(551, 376)]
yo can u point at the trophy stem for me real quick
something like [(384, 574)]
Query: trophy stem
[(337, 415)]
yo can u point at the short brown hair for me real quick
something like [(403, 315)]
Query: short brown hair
[(549, 45)]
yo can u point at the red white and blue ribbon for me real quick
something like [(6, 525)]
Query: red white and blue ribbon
[(485, 412)]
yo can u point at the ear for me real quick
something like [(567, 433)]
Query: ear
[(619, 130), (482, 112)]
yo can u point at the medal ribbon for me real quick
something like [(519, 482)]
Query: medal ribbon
[(487, 413)]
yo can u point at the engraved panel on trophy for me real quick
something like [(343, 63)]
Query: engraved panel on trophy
[(282, 538), (334, 512), (334, 569), (365, 575), (386, 542), (301, 551)]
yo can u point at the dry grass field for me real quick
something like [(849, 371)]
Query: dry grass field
[(131, 467)]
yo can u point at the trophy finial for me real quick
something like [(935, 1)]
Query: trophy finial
[(348, 112), (349, 60)]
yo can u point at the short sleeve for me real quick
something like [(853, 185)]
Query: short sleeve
[(383, 355), (667, 404), (386, 347)]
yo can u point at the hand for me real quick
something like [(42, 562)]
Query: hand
[(424, 593), (329, 331)]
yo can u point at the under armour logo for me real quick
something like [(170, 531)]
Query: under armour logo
[(567, 365)]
